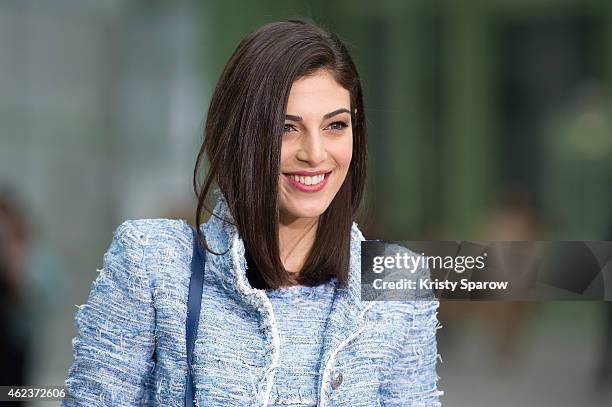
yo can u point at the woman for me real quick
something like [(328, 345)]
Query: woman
[(282, 322)]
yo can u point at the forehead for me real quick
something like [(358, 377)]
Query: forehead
[(316, 95)]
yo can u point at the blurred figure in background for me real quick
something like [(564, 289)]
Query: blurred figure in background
[(14, 240), (32, 285), (512, 218), (577, 184)]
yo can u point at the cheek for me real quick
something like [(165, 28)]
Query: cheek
[(286, 152), (343, 152)]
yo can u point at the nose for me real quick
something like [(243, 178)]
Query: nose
[(312, 149)]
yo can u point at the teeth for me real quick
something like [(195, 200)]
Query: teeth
[(307, 180)]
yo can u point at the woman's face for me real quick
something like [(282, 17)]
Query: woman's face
[(317, 146)]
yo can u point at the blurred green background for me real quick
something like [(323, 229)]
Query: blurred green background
[(487, 120)]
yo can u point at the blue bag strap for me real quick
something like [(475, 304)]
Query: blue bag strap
[(193, 311)]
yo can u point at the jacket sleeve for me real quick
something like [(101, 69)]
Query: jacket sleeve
[(113, 349), (413, 379)]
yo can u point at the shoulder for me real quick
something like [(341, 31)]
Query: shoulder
[(410, 319), (405, 309), (145, 229), (148, 239)]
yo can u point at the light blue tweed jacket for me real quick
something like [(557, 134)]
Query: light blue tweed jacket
[(130, 343)]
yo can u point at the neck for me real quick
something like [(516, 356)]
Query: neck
[(295, 238)]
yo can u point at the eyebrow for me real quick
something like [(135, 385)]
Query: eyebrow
[(326, 116)]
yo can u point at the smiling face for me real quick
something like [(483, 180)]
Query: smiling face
[(317, 146)]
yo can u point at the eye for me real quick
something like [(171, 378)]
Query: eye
[(338, 126), (289, 127)]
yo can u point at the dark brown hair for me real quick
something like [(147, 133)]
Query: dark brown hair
[(243, 137)]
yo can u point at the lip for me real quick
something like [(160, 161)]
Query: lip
[(308, 173), (307, 188)]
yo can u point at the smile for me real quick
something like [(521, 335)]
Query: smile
[(308, 183)]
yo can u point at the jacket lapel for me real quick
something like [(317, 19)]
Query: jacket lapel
[(229, 271), (346, 318)]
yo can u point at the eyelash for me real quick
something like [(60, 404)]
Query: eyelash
[(342, 124)]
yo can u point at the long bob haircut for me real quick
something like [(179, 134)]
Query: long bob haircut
[(243, 138)]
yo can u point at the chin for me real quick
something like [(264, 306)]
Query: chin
[(306, 211)]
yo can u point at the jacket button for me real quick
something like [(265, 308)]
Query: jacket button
[(336, 381)]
